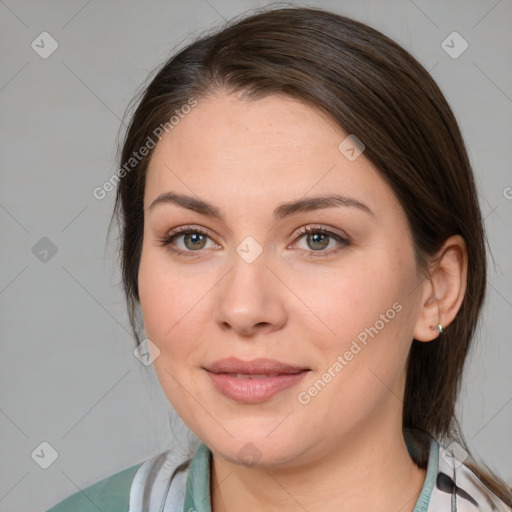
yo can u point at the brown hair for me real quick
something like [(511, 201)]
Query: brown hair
[(373, 88)]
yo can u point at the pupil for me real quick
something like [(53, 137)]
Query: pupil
[(315, 239), (196, 237)]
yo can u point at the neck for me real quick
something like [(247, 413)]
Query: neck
[(369, 469)]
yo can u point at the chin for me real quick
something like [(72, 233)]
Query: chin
[(256, 451)]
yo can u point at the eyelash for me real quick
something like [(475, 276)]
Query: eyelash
[(184, 230)]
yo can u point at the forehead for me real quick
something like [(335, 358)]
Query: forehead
[(273, 148), (274, 123)]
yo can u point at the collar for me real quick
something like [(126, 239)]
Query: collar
[(197, 495), (449, 485)]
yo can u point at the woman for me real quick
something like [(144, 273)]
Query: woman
[(301, 230)]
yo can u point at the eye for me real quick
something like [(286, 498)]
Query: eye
[(193, 240), (319, 238)]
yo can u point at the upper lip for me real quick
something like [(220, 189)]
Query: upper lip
[(254, 366)]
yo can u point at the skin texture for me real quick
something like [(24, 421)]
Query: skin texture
[(301, 305)]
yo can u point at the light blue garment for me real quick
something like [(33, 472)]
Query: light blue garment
[(449, 485), (158, 484), (108, 495)]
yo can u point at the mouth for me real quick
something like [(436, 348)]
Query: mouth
[(253, 381)]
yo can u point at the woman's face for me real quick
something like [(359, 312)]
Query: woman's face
[(341, 303)]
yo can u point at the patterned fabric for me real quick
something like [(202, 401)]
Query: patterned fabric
[(458, 489), (449, 486)]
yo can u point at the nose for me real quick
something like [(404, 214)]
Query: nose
[(250, 299)]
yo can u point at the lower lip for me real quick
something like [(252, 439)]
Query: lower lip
[(253, 391)]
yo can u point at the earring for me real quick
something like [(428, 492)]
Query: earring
[(439, 328)]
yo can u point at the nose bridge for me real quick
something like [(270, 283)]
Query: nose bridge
[(248, 296), (248, 277)]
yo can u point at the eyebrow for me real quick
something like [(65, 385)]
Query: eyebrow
[(280, 212)]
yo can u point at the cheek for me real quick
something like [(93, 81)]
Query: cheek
[(342, 302), (163, 292), (166, 312), (369, 312), (161, 296), (173, 306)]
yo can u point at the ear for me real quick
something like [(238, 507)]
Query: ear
[(444, 291)]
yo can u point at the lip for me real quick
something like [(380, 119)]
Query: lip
[(261, 378), (254, 366)]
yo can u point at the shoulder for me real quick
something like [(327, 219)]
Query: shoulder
[(458, 488), (111, 493), (141, 487), (449, 484)]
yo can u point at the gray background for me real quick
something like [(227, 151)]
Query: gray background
[(68, 375)]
